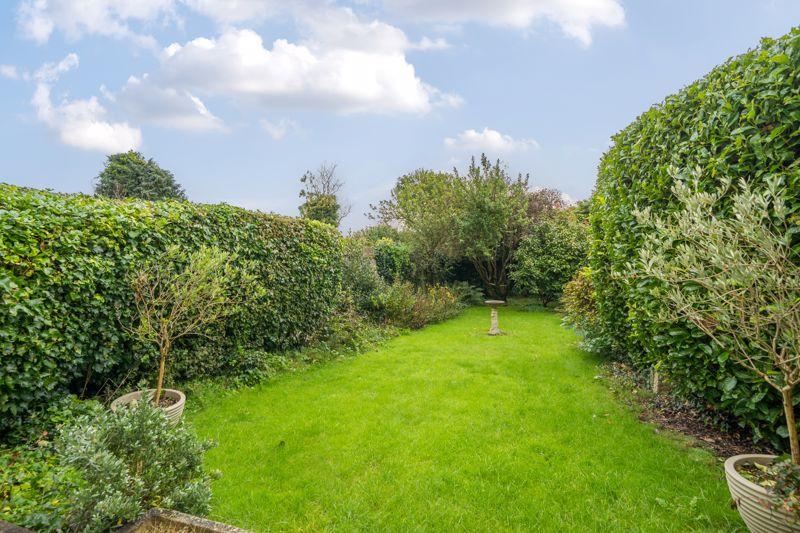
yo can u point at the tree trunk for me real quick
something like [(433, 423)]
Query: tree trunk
[(161, 365), (788, 409)]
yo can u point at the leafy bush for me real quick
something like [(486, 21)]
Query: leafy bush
[(467, 294), (741, 121), (360, 276), (405, 306), (104, 470), (392, 259), (64, 263), (550, 256), (32, 488), (130, 461), (580, 310)]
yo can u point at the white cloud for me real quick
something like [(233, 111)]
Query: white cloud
[(230, 12), (9, 71), (426, 43), (38, 19), (80, 123), (50, 72), (488, 140), (279, 130), (165, 106), (341, 78), (576, 18)]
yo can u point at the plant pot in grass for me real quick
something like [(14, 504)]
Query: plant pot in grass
[(725, 263), (177, 295)]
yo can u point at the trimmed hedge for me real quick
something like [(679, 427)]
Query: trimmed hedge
[(742, 120), (65, 297)]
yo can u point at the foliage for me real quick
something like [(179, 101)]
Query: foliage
[(178, 296), (32, 488), (742, 120), (492, 220), (550, 256), (321, 192), (64, 265), (130, 461), (480, 216), (733, 276), (580, 311), (392, 259), (360, 278), (104, 469), (785, 489), (405, 306), (544, 202), (425, 204), (130, 175), (467, 294)]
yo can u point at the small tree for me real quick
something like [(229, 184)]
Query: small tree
[(728, 267), (491, 220), (550, 256), (178, 295), (130, 175), (321, 192)]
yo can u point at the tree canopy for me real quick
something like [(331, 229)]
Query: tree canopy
[(130, 175)]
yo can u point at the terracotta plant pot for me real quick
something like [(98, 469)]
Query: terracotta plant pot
[(173, 412), (753, 501)]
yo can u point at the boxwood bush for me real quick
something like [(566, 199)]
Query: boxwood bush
[(742, 120), (64, 260)]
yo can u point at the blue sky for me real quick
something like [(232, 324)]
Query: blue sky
[(238, 98)]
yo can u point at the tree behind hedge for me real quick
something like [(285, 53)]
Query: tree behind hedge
[(550, 256), (130, 175), (742, 120)]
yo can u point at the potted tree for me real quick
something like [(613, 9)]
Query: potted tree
[(734, 275), (177, 295)]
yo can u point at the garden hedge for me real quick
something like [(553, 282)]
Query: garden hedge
[(742, 120), (64, 262)]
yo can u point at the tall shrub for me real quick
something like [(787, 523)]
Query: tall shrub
[(550, 256), (735, 278), (741, 121), (64, 296)]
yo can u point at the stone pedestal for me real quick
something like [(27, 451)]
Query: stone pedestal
[(494, 329)]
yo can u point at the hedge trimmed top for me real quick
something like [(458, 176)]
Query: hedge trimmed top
[(742, 120), (64, 262)]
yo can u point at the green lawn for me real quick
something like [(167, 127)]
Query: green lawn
[(448, 429)]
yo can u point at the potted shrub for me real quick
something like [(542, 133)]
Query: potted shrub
[(176, 295), (726, 264)]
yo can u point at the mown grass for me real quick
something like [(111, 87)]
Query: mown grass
[(448, 429)]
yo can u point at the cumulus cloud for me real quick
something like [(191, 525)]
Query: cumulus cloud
[(9, 71), (165, 106), (345, 77), (79, 123), (489, 141), (576, 18), (38, 19)]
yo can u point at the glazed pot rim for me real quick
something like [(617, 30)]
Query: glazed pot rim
[(732, 462)]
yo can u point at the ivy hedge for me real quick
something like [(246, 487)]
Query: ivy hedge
[(742, 120), (64, 262)]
